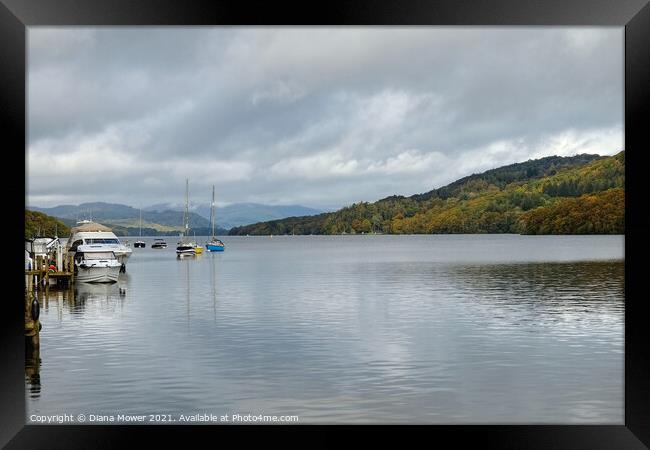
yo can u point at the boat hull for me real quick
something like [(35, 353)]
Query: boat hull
[(139, 244), (98, 274), (214, 247), (122, 255)]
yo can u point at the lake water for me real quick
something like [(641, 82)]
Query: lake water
[(439, 329)]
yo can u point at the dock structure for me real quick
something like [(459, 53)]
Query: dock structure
[(41, 273), (40, 269), (32, 323)]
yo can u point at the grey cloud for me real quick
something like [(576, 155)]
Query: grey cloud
[(321, 116)]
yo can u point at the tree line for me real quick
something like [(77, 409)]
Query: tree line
[(38, 224), (553, 195)]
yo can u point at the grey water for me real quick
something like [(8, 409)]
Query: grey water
[(440, 329)]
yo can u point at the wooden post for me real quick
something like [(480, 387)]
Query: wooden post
[(37, 268), (59, 257), (32, 327)]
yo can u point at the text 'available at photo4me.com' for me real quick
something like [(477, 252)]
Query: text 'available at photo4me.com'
[(190, 418)]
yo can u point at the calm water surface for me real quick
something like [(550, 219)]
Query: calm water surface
[(345, 329)]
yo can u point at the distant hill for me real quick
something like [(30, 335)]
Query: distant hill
[(239, 214), (555, 195), (167, 219), (125, 220)]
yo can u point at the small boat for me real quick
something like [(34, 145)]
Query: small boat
[(140, 243), (186, 248), (197, 247), (94, 264), (159, 243), (215, 245)]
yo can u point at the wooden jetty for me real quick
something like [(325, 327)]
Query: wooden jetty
[(37, 282), (41, 273)]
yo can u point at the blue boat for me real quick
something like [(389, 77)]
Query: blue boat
[(214, 245)]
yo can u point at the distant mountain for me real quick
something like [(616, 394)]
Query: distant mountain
[(582, 194), (125, 220), (167, 218), (239, 214)]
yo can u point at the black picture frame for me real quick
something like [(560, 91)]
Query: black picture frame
[(634, 15)]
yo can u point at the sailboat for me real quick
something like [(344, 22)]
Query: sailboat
[(140, 243), (215, 245), (186, 248)]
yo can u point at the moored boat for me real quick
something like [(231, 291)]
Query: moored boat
[(96, 264), (140, 243), (159, 243), (184, 247), (214, 245), (91, 233)]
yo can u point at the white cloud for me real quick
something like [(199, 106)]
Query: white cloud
[(328, 164)]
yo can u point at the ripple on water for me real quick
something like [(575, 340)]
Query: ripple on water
[(418, 329)]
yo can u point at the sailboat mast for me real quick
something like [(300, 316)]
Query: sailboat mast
[(187, 206), (212, 212), (140, 222)]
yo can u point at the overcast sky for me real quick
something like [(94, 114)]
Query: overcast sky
[(322, 117)]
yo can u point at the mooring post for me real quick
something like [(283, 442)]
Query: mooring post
[(37, 271), (32, 324), (59, 257)]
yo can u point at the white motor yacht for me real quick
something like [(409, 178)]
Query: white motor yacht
[(95, 264), (159, 243), (99, 236)]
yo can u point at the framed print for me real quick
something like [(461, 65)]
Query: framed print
[(351, 214)]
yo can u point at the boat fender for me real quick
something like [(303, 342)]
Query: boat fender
[(36, 310)]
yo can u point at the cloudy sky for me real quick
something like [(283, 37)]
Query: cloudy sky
[(322, 117)]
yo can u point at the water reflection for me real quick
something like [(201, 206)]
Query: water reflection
[(108, 295), (60, 305), (589, 294), (33, 370), (213, 283), (346, 333)]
